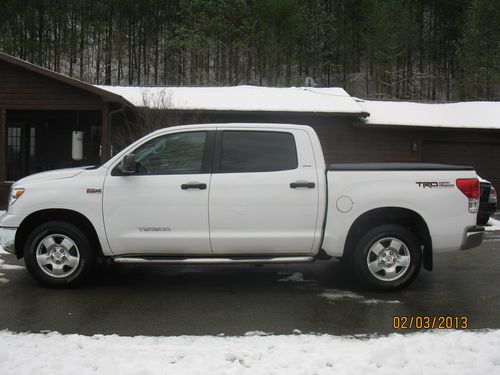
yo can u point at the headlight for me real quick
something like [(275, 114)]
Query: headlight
[(15, 194)]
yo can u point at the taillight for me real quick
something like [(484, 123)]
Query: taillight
[(470, 188), (493, 195)]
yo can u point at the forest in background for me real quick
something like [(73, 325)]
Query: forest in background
[(439, 50)]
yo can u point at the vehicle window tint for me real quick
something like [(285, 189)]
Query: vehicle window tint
[(257, 151), (178, 153)]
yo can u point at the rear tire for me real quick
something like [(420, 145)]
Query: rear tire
[(387, 258), (58, 254), (482, 219)]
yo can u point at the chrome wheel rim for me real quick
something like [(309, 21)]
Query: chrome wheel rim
[(57, 255), (388, 259)]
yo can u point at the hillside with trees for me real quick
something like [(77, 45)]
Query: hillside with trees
[(404, 49)]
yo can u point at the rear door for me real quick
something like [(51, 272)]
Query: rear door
[(263, 193)]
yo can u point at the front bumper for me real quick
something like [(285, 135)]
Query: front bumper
[(473, 237), (7, 237)]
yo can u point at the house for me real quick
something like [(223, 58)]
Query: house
[(40, 110), (351, 130)]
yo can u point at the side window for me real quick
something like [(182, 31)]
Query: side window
[(257, 151), (178, 153)]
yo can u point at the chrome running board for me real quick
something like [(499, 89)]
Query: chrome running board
[(214, 260)]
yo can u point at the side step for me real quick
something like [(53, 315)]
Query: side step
[(211, 260)]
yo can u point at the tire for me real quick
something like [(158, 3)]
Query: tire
[(58, 254), (387, 258), (482, 219)]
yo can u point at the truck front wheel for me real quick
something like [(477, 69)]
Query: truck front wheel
[(58, 254), (387, 257)]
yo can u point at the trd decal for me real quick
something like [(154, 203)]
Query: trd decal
[(435, 184)]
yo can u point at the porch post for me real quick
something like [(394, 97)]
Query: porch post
[(3, 144), (105, 148)]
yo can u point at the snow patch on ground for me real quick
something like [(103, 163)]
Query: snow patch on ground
[(296, 277), (493, 225), (435, 352), (255, 333), (2, 251), (334, 295), (4, 266)]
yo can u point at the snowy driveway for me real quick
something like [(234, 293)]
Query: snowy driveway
[(315, 298)]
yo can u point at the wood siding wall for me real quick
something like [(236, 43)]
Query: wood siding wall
[(343, 141), (23, 89)]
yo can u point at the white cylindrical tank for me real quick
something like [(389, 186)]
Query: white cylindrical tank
[(77, 146)]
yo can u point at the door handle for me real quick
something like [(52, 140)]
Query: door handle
[(193, 185), (302, 184)]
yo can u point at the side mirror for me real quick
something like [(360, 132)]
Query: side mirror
[(128, 164)]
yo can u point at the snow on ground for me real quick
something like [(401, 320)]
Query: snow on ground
[(2, 251), (435, 352), (4, 266), (335, 295), (296, 277), (492, 225)]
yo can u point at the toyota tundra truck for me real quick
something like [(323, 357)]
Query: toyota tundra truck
[(240, 193)]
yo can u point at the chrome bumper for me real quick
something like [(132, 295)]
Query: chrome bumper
[(7, 237), (473, 237)]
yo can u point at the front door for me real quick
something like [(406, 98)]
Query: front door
[(264, 193), (163, 207)]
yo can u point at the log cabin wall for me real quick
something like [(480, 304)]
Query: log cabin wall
[(345, 139), (39, 110)]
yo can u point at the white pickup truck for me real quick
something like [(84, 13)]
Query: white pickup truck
[(240, 193)]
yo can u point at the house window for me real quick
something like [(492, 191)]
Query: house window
[(14, 153), (21, 150)]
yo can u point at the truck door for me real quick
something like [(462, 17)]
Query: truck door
[(163, 207), (263, 193)]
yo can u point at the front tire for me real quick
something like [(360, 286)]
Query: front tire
[(387, 258), (58, 254)]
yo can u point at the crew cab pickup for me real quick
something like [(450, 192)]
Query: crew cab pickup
[(240, 193)]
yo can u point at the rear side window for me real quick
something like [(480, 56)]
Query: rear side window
[(257, 151)]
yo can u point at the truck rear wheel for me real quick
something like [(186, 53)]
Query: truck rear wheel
[(58, 254), (387, 257)]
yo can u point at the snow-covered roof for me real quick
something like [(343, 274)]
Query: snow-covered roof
[(476, 115), (332, 100), (241, 98)]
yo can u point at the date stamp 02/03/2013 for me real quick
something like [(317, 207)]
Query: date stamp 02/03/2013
[(402, 322)]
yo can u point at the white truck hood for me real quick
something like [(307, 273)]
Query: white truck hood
[(52, 175)]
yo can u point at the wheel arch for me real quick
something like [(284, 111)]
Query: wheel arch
[(39, 217), (392, 215)]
